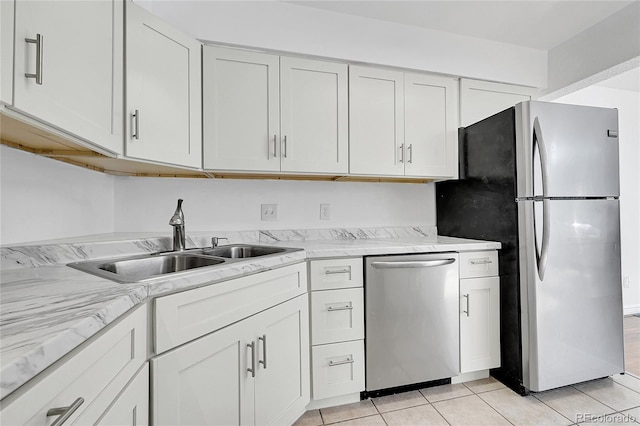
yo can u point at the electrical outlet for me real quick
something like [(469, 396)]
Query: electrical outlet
[(325, 211), (625, 281), (268, 211)]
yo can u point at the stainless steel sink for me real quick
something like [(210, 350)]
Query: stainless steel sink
[(159, 265), (238, 251), (147, 267)]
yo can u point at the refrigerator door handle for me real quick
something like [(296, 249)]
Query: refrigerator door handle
[(541, 256), (539, 145)]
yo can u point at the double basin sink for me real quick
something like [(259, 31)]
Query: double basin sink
[(146, 267)]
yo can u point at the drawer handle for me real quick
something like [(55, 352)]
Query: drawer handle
[(349, 360), (64, 412), (338, 271), (480, 261), (252, 370), (264, 351), (466, 296), (341, 307)]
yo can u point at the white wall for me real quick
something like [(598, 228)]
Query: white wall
[(146, 204), (293, 28), (46, 199), (628, 104)]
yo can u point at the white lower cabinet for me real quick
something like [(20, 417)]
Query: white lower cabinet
[(337, 330), (89, 385), (131, 408), (255, 371), (479, 312), (338, 369)]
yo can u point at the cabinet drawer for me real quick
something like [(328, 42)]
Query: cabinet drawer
[(338, 369), (185, 316), (97, 373), (479, 264), (335, 273), (337, 315)]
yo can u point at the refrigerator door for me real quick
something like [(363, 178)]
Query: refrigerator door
[(566, 150), (571, 291)]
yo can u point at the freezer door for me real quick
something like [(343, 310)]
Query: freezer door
[(566, 150), (571, 291)]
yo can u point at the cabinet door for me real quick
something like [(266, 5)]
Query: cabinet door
[(241, 110), (163, 92), (81, 54), (376, 112), (482, 99), (282, 379), (132, 405), (314, 116), (479, 324), (6, 46), (430, 126), (206, 381)]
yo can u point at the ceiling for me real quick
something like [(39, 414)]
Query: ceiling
[(535, 24), (539, 24)]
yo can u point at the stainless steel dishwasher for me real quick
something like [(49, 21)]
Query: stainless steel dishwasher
[(412, 317)]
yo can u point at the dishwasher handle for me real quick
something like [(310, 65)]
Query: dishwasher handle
[(412, 264)]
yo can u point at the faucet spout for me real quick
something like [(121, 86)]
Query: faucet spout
[(177, 221)]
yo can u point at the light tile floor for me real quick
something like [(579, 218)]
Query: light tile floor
[(610, 401), (632, 344)]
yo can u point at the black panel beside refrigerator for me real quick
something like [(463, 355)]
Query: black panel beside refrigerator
[(481, 206)]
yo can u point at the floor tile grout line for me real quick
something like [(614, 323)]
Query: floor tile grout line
[(441, 415), (572, 421), (601, 402), (622, 384), (495, 409)]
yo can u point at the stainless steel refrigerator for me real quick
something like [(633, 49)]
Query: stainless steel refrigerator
[(542, 178)]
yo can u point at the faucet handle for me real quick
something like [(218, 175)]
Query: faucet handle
[(216, 240)]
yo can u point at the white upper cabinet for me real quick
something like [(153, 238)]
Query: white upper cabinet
[(265, 113), (402, 124), (314, 116), (482, 99), (241, 110), (431, 139), (376, 112), (68, 67), (6, 47), (163, 96)]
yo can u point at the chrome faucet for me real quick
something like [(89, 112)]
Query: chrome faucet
[(177, 221)]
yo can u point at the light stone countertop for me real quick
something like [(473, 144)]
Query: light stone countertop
[(47, 308)]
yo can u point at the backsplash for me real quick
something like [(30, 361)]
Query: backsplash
[(103, 246)]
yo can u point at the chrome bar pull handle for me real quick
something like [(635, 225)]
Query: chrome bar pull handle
[(38, 41), (337, 271), (485, 261), (64, 413), (466, 296), (264, 351), (252, 370), (402, 153), (285, 146), (410, 153), (275, 146), (136, 124), (348, 360), (340, 307)]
